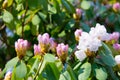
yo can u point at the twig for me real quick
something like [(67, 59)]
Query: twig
[(39, 67)]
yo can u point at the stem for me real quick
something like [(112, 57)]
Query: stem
[(23, 19), (39, 67)]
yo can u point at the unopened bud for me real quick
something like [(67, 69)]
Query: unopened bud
[(21, 47), (37, 50), (5, 4), (77, 34), (44, 42), (116, 47), (78, 14), (53, 45), (114, 37), (116, 7), (62, 51)]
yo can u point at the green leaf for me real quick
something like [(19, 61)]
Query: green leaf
[(65, 76), (84, 71), (34, 29), (12, 63), (43, 16), (9, 2), (44, 4), (56, 5), (52, 72), (36, 20), (72, 75), (85, 4), (34, 4), (52, 9), (49, 58), (106, 56), (7, 17), (34, 65), (100, 73), (85, 27), (21, 70), (68, 6)]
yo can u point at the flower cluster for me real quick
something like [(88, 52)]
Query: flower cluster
[(89, 43), (21, 47), (45, 43)]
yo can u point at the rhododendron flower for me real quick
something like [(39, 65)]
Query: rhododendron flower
[(21, 47), (117, 59), (44, 39), (62, 51), (116, 47), (44, 42), (77, 34), (81, 55), (116, 6), (88, 42), (78, 11), (114, 37), (99, 31), (78, 14), (8, 75), (37, 50), (53, 45)]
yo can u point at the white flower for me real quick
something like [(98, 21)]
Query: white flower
[(84, 41), (94, 44), (88, 42), (80, 55), (117, 59), (99, 32)]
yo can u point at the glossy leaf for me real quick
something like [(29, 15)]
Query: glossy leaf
[(21, 70), (52, 72), (36, 20), (106, 56), (84, 71), (12, 63), (7, 17)]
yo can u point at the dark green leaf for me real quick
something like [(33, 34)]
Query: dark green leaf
[(106, 56), (52, 72)]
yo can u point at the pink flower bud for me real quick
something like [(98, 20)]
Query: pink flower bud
[(77, 34), (44, 42), (78, 11), (117, 59), (21, 47), (116, 46), (114, 36), (37, 49), (53, 45), (116, 6), (62, 51), (45, 38)]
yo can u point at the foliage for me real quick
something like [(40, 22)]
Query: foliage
[(28, 18)]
